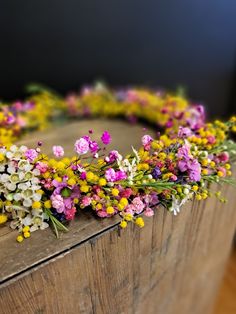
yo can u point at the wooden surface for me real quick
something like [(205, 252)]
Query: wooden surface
[(173, 265), (226, 297)]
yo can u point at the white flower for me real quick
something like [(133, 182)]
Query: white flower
[(177, 204)]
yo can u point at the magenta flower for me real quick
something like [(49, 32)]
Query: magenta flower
[(58, 151), (110, 175), (120, 175), (81, 146), (106, 138), (70, 213), (31, 154), (223, 157), (93, 147), (113, 155)]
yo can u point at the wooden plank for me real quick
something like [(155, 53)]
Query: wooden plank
[(174, 265), (226, 302)]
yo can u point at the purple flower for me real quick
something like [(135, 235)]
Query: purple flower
[(31, 154), (146, 140), (184, 152), (156, 172), (183, 165), (81, 146), (113, 155), (194, 170), (184, 132), (93, 147), (58, 151), (192, 166), (106, 138), (110, 175)]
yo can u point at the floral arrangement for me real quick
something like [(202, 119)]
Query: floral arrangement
[(37, 191)]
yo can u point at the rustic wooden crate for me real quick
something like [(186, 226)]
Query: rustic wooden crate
[(173, 265)]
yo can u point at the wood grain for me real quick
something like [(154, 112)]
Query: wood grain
[(226, 301), (172, 266)]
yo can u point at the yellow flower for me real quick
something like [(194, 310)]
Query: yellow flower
[(89, 176), (123, 224), (84, 188), (204, 171), (198, 197), (26, 229), (2, 157), (47, 204), (102, 182), (115, 192), (139, 222), (36, 205), (110, 210), (26, 234), (195, 188), (20, 238), (71, 181), (3, 218), (128, 217)]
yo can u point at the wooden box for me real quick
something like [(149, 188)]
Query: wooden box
[(173, 265)]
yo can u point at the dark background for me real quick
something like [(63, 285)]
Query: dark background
[(167, 43)]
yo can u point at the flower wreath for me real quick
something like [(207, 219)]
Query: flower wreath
[(176, 166)]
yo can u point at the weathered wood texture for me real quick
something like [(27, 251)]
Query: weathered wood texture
[(226, 301), (173, 265)]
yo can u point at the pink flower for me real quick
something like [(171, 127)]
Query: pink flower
[(57, 203), (148, 212), (102, 213), (106, 138), (81, 146), (223, 157), (110, 175), (70, 213), (31, 154), (126, 193), (184, 132), (211, 139), (146, 140), (58, 151), (42, 167), (86, 201), (138, 205), (130, 209)]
